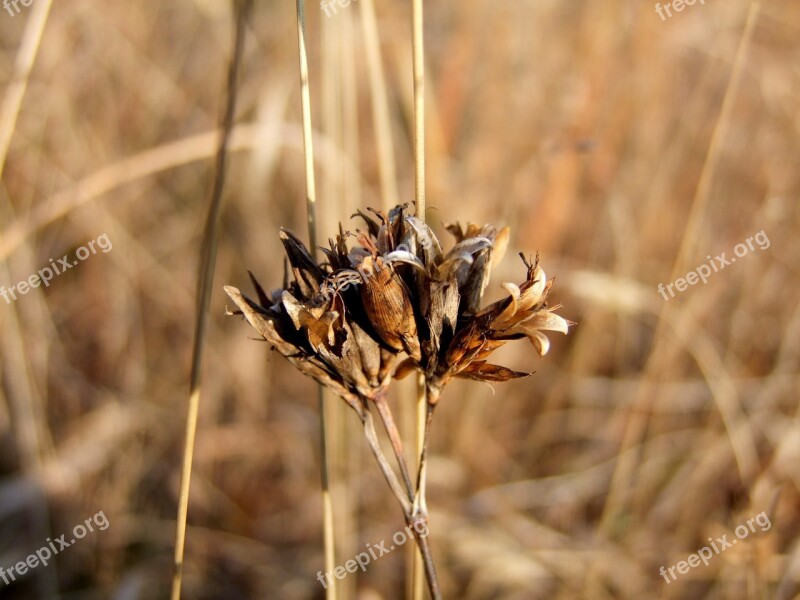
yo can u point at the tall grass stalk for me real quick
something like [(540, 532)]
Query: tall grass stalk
[(23, 65), (342, 190), (204, 285), (351, 200), (334, 418), (387, 172), (32, 431), (387, 169), (418, 51), (329, 537)]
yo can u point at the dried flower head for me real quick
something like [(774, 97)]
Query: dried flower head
[(309, 322), (346, 321)]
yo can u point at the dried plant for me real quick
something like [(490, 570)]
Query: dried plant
[(394, 303)]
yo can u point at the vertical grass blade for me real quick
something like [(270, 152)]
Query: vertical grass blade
[(22, 70), (204, 285), (329, 539), (418, 51), (387, 170)]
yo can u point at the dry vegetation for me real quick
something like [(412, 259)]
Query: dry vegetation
[(588, 127)]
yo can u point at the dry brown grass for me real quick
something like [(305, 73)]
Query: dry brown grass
[(583, 125)]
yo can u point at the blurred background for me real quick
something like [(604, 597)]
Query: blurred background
[(625, 146)]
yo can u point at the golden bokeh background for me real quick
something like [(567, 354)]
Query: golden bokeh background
[(625, 147)]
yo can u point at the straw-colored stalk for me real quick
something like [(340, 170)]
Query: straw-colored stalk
[(423, 422), (31, 423), (387, 170), (204, 284), (389, 194), (311, 211), (342, 191), (22, 70)]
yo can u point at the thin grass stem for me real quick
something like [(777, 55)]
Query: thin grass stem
[(204, 285), (418, 51), (389, 424), (391, 478), (380, 106), (12, 102), (329, 535)]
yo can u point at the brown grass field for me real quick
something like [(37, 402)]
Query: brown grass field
[(626, 148)]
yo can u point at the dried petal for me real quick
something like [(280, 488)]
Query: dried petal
[(500, 243), (406, 367), (533, 290), (307, 273), (431, 250), (403, 256), (483, 371), (387, 303), (442, 313), (460, 253), (543, 320), (540, 341), (510, 310)]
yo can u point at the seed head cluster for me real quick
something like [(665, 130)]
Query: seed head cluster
[(394, 302)]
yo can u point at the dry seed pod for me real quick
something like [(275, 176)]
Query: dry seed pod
[(411, 297), (388, 306), (315, 325)]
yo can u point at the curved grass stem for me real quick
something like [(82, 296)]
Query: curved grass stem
[(412, 503), (204, 283), (391, 478), (394, 437)]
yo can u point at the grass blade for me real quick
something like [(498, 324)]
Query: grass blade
[(204, 285)]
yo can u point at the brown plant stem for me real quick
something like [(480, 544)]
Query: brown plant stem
[(394, 437), (413, 513), (391, 478), (430, 568), (420, 504)]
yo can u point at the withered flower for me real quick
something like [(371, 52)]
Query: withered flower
[(523, 314), (345, 322), (346, 339), (309, 323), (455, 336)]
